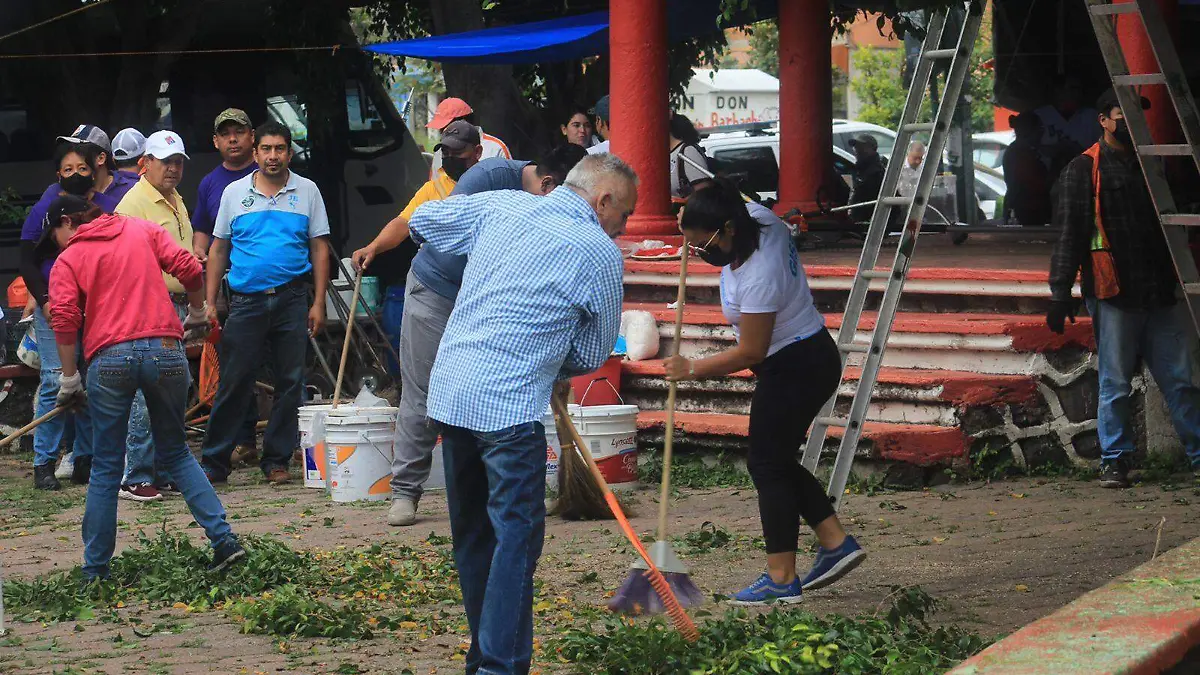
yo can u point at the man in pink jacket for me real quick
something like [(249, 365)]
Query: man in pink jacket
[(110, 269)]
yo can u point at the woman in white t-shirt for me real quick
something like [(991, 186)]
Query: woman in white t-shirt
[(782, 338)]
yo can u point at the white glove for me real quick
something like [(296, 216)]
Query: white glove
[(70, 391), (196, 317)]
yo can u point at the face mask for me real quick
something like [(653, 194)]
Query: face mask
[(716, 257), (77, 184), (1121, 133), (455, 167)]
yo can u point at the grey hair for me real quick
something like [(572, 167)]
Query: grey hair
[(916, 145), (595, 169)]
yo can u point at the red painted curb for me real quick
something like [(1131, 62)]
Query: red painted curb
[(671, 268), (14, 371)]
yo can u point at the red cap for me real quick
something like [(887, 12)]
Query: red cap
[(448, 111)]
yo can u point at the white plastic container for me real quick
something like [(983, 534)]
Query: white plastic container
[(437, 471), (610, 433), (313, 448), (358, 450)]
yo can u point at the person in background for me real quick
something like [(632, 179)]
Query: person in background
[(429, 298), (128, 147), (517, 331), (868, 175), (600, 114), (156, 199), (272, 235), (233, 137), (84, 164), (1067, 126), (910, 171), (454, 110), (578, 128), (781, 337), (684, 141), (1027, 199), (1112, 241), (108, 265)]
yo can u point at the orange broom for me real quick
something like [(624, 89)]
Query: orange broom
[(683, 623)]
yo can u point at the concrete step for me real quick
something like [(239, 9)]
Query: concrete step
[(901, 396), (916, 444), (1001, 344), (928, 289)]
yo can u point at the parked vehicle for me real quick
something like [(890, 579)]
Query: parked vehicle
[(990, 147), (846, 130)]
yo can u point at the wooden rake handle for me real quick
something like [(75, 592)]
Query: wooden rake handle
[(337, 388), (31, 426), (669, 435)]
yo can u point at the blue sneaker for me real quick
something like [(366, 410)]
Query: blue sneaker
[(833, 565), (764, 590)]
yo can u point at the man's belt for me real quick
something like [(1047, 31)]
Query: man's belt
[(297, 282)]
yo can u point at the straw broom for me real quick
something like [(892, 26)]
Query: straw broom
[(579, 497), (636, 595)]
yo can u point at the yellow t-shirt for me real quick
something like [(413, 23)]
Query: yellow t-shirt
[(437, 189), (145, 201)]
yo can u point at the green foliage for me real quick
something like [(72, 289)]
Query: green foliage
[(293, 612), (692, 472), (900, 642), (11, 212), (709, 536), (764, 46)]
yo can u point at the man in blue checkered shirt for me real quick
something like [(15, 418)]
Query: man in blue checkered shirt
[(540, 303)]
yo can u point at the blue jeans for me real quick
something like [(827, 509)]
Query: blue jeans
[(140, 464), (159, 367), (278, 321), (1161, 337), (496, 487), (49, 436)]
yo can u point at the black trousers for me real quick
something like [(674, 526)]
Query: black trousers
[(793, 384)]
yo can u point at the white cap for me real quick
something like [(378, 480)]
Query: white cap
[(128, 144), (164, 144)]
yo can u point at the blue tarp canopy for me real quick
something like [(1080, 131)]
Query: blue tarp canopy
[(563, 39)]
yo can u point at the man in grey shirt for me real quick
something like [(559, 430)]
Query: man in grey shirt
[(429, 295)]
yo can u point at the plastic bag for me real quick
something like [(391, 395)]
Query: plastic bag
[(27, 350), (366, 399), (641, 334)]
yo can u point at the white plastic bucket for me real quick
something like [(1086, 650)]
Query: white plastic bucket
[(313, 447), (610, 433), (358, 449), (437, 471)]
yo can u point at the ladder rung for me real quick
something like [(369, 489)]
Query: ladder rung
[(1124, 8), (917, 127), (834, 421), (855, 347), (1139, 80), (901, 201), (940, 53), (1172, 149), (1191, 289), (1182, 219), (876, 274)]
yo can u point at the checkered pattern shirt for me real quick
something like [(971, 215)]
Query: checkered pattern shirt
[(540, 301)]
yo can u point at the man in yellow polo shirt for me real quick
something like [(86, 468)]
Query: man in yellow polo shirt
[(154, 198)]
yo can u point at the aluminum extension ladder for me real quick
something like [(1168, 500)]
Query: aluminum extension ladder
[(932, 54), (1151, 155)]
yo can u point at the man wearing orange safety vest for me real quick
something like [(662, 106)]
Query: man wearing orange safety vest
[(452, 110), (1112, 239)]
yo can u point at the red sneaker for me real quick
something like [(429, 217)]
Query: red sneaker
[(139, 492)]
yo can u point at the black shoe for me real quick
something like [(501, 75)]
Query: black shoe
[(82, 472), (43, 477), (229, 552), (215, 476), (1114, 474)]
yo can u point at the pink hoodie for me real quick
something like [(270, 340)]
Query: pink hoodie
[(111, 271)]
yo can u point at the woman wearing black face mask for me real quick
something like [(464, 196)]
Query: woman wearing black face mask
[(781, 337)]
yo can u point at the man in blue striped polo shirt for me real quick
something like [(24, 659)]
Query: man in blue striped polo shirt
[(540, 303), (271, 233)]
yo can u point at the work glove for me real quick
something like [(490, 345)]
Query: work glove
[(71, 394), (1059, 312), (196, 325)]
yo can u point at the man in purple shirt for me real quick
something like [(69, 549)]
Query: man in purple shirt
[(233, 136)]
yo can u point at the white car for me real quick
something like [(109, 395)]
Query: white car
[(846, 130), (989, 148), (751, 159)]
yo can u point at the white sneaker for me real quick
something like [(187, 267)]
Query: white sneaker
[(66, 467), (403, 512)]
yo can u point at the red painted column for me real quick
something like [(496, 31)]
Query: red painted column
[(638, 89), (805, 102), (1164, 126)]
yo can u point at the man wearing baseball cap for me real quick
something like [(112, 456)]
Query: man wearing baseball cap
[(868, 175), (456, 109), (128, 147), (600, 124), (233, 137)]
